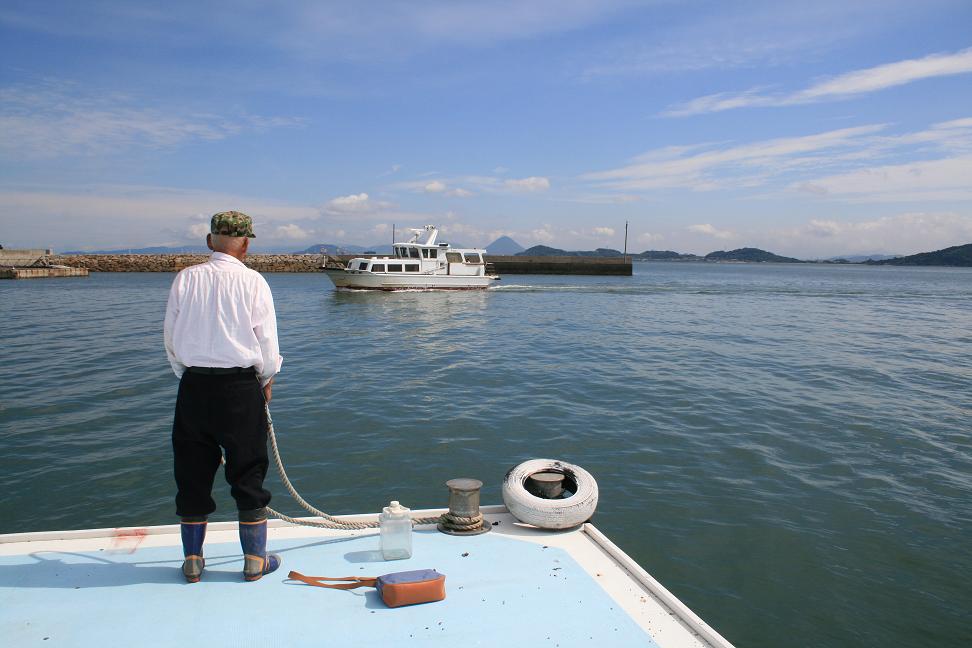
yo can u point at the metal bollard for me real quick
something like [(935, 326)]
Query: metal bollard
[(545, 485), (463, 517)]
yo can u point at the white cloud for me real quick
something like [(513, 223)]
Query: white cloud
[(533, 183), (905, 233), (543, 234), (291, 231), (649, 237), (858, 164), (823, 228), (842, 86), (943, 179), (710, 230), (604, 231), (339, 29), (485, 184), (123, 216), (59, 118), (360, 203), (705, 168), (198, 230), (733, 35)]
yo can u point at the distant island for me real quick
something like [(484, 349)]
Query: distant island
[(742, 255), (955, 256), (750, 255), (543, 250)]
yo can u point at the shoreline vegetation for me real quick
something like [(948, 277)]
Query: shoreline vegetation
[(137, 261), (955, 256)]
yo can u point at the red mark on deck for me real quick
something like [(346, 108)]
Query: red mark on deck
[(128, 540)]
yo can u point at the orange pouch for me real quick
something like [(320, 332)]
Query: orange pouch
[(396, 589)]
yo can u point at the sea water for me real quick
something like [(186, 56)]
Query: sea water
[(785, 447)]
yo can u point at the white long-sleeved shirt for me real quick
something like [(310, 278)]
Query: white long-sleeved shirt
[(220, 314)]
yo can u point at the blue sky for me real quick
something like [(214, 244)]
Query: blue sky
[(809, 129)]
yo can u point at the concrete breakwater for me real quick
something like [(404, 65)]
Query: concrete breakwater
[(557, 265), (176, 262), (562, 265)]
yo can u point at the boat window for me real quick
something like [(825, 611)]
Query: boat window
[(414, 253), (399, 252), (394, 267), (411, 267), (453, 257), (362, 265), (378, 267), (433, 254), (473, 257), (425, 253)]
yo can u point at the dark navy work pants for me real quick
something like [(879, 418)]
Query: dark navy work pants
[(217, 413)]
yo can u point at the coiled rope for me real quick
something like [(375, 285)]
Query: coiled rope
[(327, 521), (461, 523)]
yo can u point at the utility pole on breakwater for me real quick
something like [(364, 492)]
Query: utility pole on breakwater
[(625, 241)]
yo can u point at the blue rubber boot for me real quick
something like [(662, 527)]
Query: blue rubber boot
[(193, 535), (256, 560)]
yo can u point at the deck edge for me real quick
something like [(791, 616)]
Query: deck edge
[(659, 591)]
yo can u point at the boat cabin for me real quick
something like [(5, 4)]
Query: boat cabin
[(417, 264), (426, 257)]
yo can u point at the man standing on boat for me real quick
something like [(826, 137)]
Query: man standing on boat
[(221, 340)]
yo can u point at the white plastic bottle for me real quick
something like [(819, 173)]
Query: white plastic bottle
[(395, 525)]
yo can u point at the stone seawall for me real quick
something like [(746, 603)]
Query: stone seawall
[(313, 263), (561, 265), (176, 262)]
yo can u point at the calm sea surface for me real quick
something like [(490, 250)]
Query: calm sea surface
[(787, 448)]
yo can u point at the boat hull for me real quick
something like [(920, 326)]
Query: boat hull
[(570, 587), (350, 280)]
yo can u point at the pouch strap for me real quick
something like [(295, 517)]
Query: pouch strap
[(353, 581)]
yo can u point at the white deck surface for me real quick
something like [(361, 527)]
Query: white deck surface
[(513, 586)]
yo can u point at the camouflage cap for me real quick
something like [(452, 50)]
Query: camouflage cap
[(232, 223)]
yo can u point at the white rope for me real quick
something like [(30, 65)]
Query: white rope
[(328, 521)]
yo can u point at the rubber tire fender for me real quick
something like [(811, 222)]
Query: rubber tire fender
[(550, 513)]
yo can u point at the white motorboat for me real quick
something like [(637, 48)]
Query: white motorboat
[(416, 265)]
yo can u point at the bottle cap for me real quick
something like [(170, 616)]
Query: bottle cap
[(394, 508)]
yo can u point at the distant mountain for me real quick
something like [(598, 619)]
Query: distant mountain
[(751, 255), (664, 255), (504, 245), (160, 249), (957, 256), (331, 248), (861, 258), (543, 250)]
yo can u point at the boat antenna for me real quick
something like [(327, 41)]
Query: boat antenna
[(393, 234)]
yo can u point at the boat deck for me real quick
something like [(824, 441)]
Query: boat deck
[(513, 586)]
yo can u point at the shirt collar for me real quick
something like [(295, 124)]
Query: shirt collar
[(220, 256)]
